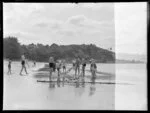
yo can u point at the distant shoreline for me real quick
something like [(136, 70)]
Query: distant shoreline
[(4, 60)]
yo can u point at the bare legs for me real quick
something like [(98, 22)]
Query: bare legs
[(83, 71), (93, 72), (50, 73), (9, 71), (64, 69), (77, 69), (58, 72), (23, 67)]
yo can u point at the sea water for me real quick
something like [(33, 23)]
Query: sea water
[(24, 92)]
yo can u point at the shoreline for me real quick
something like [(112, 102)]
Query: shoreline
[(70, 63)]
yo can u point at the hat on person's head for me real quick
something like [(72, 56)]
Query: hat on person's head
[(51, 58), (92, 60)]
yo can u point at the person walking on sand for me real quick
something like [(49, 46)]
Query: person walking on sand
[(83, 66), (51, 66), (23, 62), (9, 67), (77, 66), (93, 68)]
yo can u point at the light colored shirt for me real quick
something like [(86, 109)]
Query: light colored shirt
[(23, 57), (51, 60), (58, 65)]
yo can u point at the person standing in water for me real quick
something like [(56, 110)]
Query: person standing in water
[(51, 66), (9, 67), (73, 64), (23, 62), (34, 63), (83, 66), (77, 66), (64, 66), (58, 66), (93, 68)]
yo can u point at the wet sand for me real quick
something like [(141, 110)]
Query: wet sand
[(25, 93)]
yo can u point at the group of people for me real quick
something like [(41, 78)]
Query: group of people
[(75, 65), (24, 61), (57, 65)]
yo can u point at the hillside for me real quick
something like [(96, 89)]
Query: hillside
[(39, 52)]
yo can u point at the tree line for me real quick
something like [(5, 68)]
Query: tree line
[(12, 49)]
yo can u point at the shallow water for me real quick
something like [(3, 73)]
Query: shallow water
[(24, 92), (132, 97)]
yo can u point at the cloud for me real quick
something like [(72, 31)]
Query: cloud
[(41, 25), (59, 23), (95, 6), (77, 20), (130, 27), (83, 21), (66, 32), (23, 37), (20, 9)]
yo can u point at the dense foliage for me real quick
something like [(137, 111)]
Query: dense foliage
[(11, 48), (40, 52)]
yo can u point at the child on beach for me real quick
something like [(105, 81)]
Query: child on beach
[(93, 68), (23, 62), (34, 63), (9, 67)]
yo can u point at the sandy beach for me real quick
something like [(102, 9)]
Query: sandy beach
[(25, 93)]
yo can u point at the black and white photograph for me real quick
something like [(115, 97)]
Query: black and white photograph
[(75, 56)]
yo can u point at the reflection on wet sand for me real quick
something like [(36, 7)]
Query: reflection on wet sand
[(58, 81), (79, 85), (51, 85), (83, 82), (92, 87)]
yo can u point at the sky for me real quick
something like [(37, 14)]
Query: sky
[(61, 23), (131, 28), (121, 26)]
